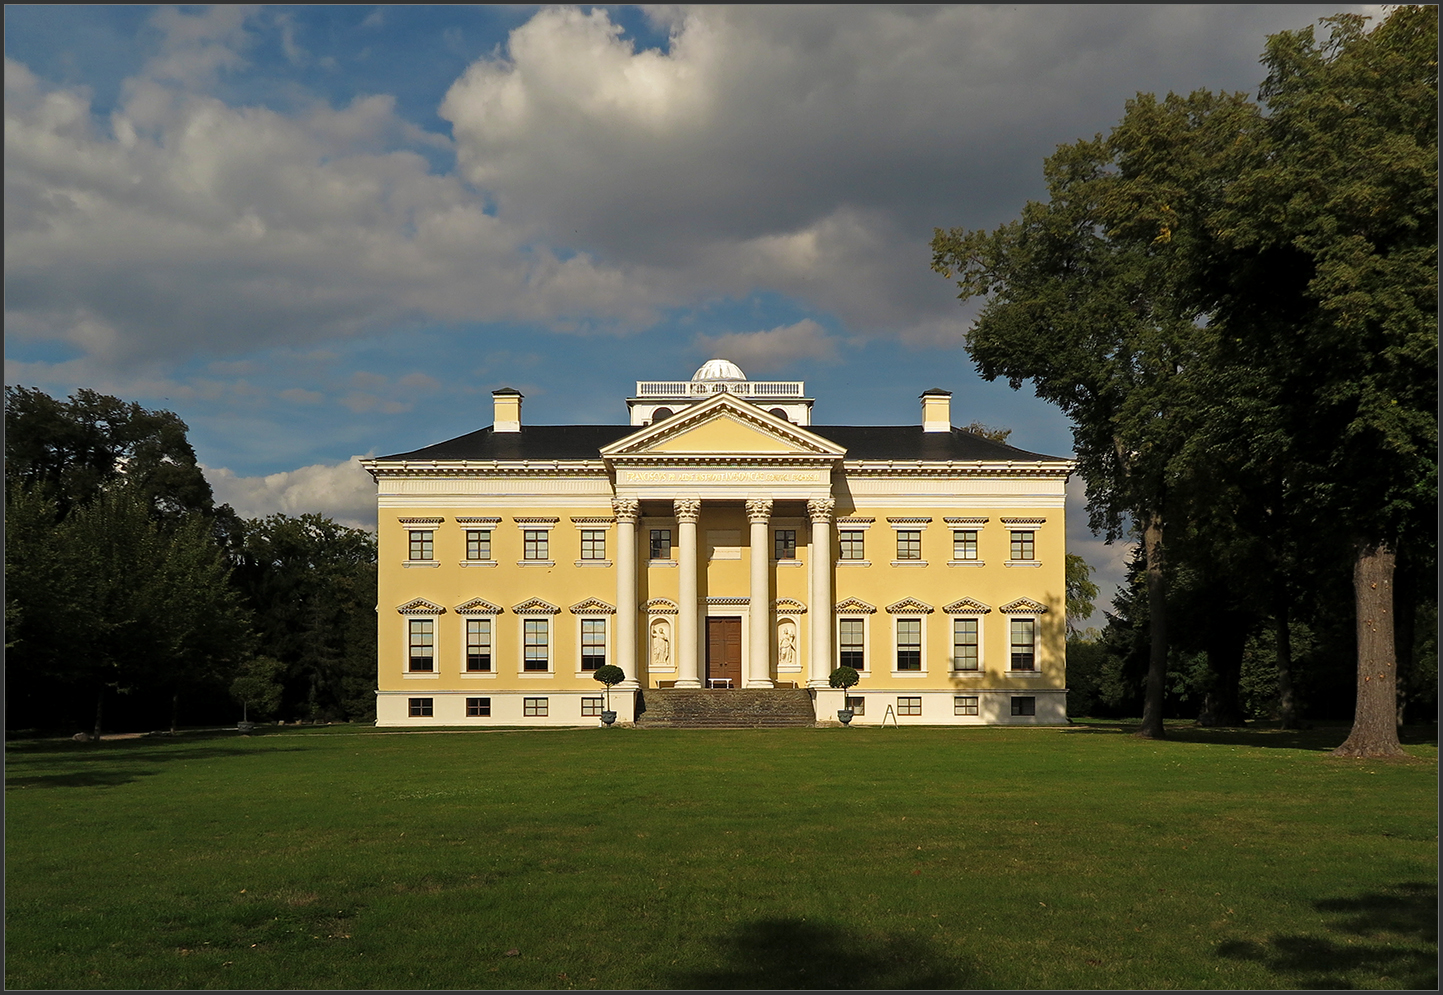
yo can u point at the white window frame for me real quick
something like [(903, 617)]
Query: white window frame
[(420, 675), (918, 525), (466, 621), (608, 629), (664, 525), (977, 617), (1035, 619), (1033, 525), (977, 525), (471, 524), (585, 525), (546, 525), (550, 670), (922, 637), (866, 621)]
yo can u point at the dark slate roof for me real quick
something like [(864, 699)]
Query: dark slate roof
[(584, 442)]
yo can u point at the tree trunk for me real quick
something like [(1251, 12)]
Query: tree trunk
[(99, 704), (1157, 615), (1375, 718), (1405, 614), (1287, 698), (174, 709)]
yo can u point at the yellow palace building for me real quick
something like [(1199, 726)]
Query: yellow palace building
[(720, 541)]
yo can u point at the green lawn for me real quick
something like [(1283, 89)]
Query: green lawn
[(876, 858)]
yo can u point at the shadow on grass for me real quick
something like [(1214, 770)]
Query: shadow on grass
[(63, 764), (1320, 739), (795, 953), (1396, 946)]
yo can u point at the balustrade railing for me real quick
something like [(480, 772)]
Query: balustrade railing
[(742, 388)]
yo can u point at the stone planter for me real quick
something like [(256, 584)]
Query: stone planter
[(245, 726), (844, 715), (607, 718)]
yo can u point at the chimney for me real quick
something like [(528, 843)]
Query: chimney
[(507, 402), (936, 410)]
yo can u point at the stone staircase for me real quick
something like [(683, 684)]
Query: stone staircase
[(686, 708)]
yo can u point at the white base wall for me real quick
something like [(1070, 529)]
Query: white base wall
[(940, 708), (508, 708)]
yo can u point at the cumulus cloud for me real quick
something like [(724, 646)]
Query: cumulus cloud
[(769, 350), (803, 151), (343, 491)]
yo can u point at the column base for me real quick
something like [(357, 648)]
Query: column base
[(687, 684), (819, 684), (765, 683)]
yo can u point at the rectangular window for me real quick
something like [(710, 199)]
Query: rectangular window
[(964, 644), (534, 544), (909, 644), (909, 706), (1022, 545), (964, 705), (1024, 706), (909, 544), (786, 544), (422, 545), (422, 645), (850, 651), (590, 706), (536, 648), (478, 708), (850, 545), (593, 544), (420, 708), (964, 544), (478, 544), (661, 544), (534, 707), (593, 643), (478, 645), (1024, 646), (858, 705)]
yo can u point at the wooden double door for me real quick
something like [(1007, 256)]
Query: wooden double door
[(723, 652)]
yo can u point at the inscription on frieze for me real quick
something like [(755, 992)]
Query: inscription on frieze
[(724, 476)]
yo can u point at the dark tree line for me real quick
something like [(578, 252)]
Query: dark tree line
[(133, 601), (1235, 303)]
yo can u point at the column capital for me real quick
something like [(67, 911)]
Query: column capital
[(626, 509), (687, 510), (821, 509), (759, 510)]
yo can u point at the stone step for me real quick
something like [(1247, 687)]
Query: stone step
[(688, 708)]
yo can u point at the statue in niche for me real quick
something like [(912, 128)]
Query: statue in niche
[(786, 646), (660, 646)]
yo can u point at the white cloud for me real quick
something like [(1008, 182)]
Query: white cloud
[(769, 350), (343, 491), (1108, 560)]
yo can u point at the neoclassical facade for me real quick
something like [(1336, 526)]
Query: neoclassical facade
[(720, 540)]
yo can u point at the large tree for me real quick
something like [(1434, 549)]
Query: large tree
[(1332, 293)]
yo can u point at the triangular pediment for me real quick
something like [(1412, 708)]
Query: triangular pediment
[(909, 606), (966, 606), (1023, 606), (724, 425), (479, 606), (854, 606), (535, 606), (592, 606), (420, 606)]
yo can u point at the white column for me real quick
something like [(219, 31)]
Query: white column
[(626, 510), (688, 510), (820, 511), (759, 669)]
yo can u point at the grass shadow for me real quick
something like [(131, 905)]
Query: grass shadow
[(1396, 943), (65, 764), (1321, 739), (792, 953)]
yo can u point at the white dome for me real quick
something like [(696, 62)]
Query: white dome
[(719, 369)]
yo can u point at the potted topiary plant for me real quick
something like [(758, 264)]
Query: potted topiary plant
[(844, 678), (609, 675)]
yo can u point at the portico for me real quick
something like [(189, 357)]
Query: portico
[(722, 459)]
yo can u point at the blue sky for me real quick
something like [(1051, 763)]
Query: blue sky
[(324, 232)]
